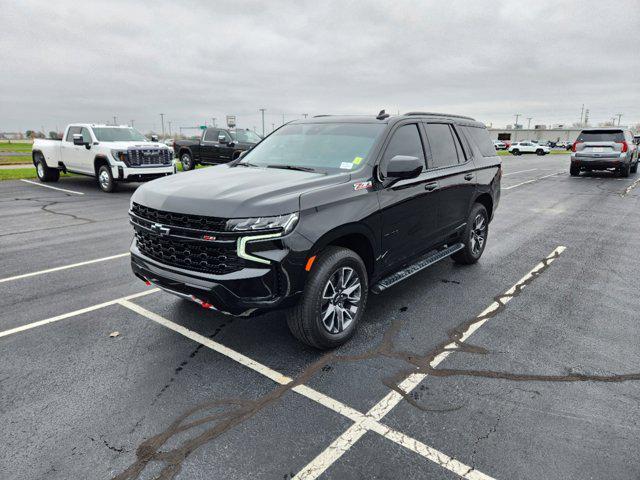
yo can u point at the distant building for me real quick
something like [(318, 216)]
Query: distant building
[(540, 133), (11, 136)]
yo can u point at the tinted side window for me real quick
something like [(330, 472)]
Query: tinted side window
[(211, 135), (443, 148), (86, 136), (71, 132), (480, 137), (226, 134), (405, 141)]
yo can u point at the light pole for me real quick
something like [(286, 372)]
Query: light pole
[(262, 110), (619, 115), (170, 128), (529, 123), (305, 115), (132, 123), (162, 120), (515, 126), (115, 122), (213, 121)]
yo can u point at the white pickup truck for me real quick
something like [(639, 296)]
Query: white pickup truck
[(109, 153)]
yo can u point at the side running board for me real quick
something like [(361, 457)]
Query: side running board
[(414, 268)]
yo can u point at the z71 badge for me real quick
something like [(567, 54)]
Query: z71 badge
[(362, 185)]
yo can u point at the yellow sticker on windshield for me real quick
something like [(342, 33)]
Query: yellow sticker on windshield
[(357, 160)]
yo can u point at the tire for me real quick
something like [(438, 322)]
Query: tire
[(305, 320), (515, 152), (634, 168), (625, 170), (540, 152), (574, 171), (105, 179), (46, 174), (475, 236), (187, 162)]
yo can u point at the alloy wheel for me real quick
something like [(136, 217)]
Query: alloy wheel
[(40, 168), (104, 179), (341, 300), (478, 234)]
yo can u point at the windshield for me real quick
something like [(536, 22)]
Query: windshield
[(323, 147), (110, 134), (245, 136)]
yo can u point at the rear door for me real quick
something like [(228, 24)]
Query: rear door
[(451, 166), (408, 207)]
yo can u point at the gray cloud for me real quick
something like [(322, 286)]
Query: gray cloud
[(87, 61)]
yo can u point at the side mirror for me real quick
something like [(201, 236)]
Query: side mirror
[(222, 139), (402, 167), (78, 140), (154, 138)]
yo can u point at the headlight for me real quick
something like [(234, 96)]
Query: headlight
[(283, 222), (119, 155)]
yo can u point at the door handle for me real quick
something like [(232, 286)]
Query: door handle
[(431, 186), (468, 176)]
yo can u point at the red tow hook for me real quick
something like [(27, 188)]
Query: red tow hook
[(206, 305)]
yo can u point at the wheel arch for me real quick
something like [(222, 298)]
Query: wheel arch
[(98, 161), (33, 156), (485, 200), (183, 150), (354, 237)]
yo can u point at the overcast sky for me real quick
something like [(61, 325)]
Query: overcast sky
[(67, 61)]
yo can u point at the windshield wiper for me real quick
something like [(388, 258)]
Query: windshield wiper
[(245, 164), (293, 167)]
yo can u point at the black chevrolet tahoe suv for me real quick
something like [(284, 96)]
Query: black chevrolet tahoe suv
[(319, 214), (217, 145)]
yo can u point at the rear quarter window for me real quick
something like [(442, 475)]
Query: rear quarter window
[(479, 137)]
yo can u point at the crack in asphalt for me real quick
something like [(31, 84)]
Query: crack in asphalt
[(241, 410), (177, 371)]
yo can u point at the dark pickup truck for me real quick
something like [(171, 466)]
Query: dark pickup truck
[(217, 145), (319, 214)]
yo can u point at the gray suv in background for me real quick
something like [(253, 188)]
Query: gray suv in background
[(603, 149)]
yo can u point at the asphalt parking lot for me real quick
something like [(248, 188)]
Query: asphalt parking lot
[(525, 365)]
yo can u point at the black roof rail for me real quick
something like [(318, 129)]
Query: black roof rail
[(435, 114)]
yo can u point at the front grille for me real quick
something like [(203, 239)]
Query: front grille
[(199, 222), (142, 157), (215, 259)]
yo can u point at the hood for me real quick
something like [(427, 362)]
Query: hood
[(233, 192), (125, 145)]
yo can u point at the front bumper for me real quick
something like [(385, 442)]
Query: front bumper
[(141, 174), (246, 292)]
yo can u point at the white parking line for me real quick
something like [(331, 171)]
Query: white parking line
[(49, 186), (64, 267), (532, 180), (520, 171), (345, 441), (57, 318), (365, 423)]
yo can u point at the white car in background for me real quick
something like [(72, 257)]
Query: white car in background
[(518, 148), (109, 153), (498, 145)]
